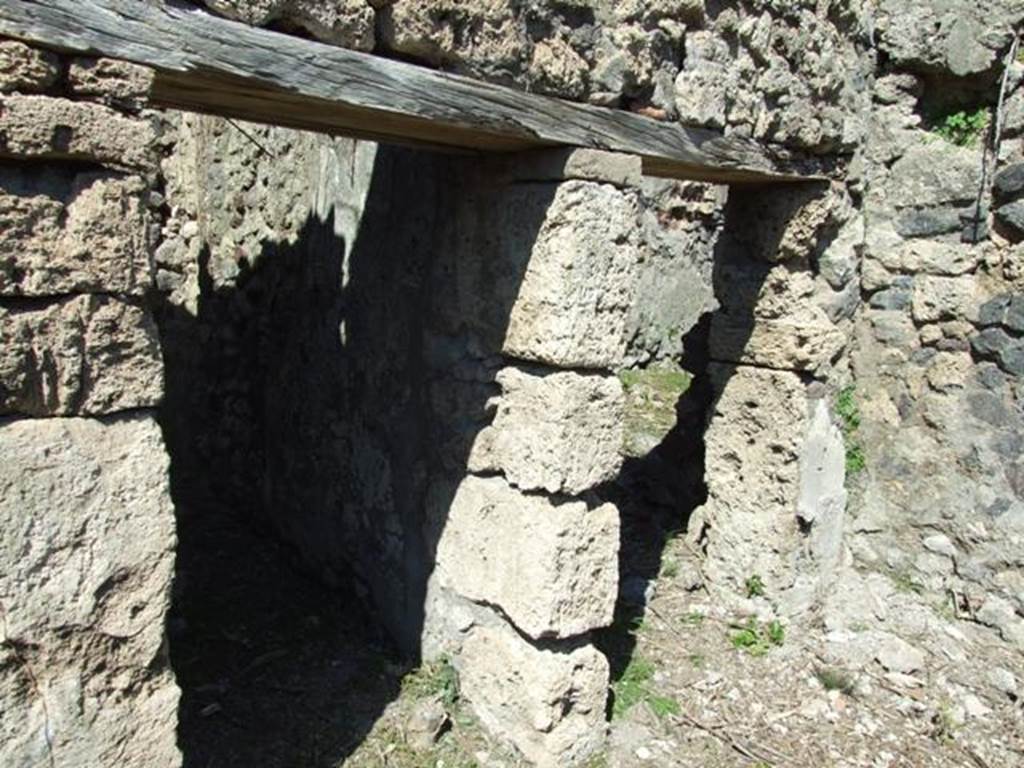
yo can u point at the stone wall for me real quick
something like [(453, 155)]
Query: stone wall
[(939, 506), (87, 542), (791, 71), (411, 366)]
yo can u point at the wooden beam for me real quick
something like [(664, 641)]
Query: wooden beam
[(208, 64)]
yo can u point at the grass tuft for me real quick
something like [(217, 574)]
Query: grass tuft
[(754, 586), (833, 679), (634, 688), (757, 639), (849, 421), (962, 128), (437, 679)]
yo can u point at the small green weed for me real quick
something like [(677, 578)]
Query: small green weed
[(662, 706), (669, 569), (849, 417), (436, 679), (746, 638), (758, 639), (944, 725), (634, 688), (693, 618), (698, 660), (945, 609), (631, 688), (754, 586), (962, 128), (905, 583), (833, 679), (855, 459)]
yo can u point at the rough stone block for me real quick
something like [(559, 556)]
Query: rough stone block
[(557, 69), (753, 444), (549, 703), (553, 431), (945, 298), (805, 341), (821, 503), (838, 263), (787, 224), (1011, 217), (962, 38), (583, 164), (541, 272), (348, 23), (1009, 182), (119, 82), (82, 355), (26, 69), (551, 568), (927, 222), (893, 328), (993, 311), (573, 304), (86, 561), (63, 233), (41, 127), (931, 257), (991, 342), (934, 174), (434, 31), (699, 96)]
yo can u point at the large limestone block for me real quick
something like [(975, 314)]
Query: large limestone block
[(62, 233), (806, 341), (543, 272), (931, 257), (86, 561), (752, 468), (26, 69), (573, 304), (41, 127), (821, 504), (554, 431), (83, 355), (549, 703), (551, 568), (769, 317), (348, 23)]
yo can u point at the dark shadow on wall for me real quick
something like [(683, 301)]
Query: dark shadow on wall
[(309, 410)]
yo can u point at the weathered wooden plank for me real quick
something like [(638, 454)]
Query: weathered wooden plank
[(208, 64)]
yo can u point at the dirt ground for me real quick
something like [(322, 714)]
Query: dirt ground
[(709, 686), (279, 672)]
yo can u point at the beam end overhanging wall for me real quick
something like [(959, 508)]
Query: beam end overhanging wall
[(208, 64)]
